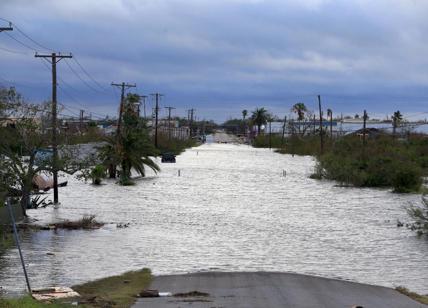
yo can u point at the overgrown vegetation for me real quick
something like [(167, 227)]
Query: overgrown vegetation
[(380, 162), (419, 214)]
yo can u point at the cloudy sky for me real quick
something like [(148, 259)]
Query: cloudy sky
[(222, 56)]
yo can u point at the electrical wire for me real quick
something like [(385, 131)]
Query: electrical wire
[(13, 51), (18, 41), (31, 39), (81, 79), (89, 75)]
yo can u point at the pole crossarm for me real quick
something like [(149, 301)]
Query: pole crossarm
[(57, 56)]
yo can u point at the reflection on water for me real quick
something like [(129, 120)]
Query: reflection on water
[(232, 210)]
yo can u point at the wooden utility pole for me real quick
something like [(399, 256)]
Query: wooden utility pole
[(191, 114), (157, 97), (53, 59), (283, 130), (81, 120), (169, 121), (321, 136), (314, 124), (143, 97), (365, 116), (123, 87)]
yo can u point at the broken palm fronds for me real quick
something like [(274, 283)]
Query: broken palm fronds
[(415, 296), (117, 291), (85, 223)]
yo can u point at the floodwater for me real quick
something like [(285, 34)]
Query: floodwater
[(230, 210)]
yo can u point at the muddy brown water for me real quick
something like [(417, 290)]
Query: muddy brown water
[(230, 210)]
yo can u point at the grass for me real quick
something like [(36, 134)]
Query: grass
[(415, 296), (28, 302), (116, 291)]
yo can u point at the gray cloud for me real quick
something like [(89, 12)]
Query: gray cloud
[(226, 55)]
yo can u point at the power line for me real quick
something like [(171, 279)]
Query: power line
[(89, 75), (81, 79), (78, 102), (32, 40), (13, 51), (23, 44)]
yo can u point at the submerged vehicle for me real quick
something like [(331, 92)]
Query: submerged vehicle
[(168, 158)]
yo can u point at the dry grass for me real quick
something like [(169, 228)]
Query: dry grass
[(417, 297)]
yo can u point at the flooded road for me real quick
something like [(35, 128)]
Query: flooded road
[(230, 210)]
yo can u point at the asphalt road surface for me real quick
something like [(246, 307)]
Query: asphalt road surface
[(265, 290)]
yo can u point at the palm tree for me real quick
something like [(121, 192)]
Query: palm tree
[(396, 119), (259, 118), (132, 149), (244, 114), (300, 109)]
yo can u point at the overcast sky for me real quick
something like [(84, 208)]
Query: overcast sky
[(222, 56)]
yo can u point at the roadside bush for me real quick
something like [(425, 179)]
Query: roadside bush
[(419, 214), (407, 179), (97, 174), (383, 162)]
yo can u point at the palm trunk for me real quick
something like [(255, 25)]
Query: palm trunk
[(112, 171), (25, 199)]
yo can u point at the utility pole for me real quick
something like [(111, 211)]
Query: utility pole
[(365, 116), (123, 86), (157, 97), (321, 136), (81, 121), (270, 133), (169, 121), (283, 130), (191, 114), (143, 97), (53, 59), (314, 126)]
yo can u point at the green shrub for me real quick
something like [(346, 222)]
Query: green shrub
[(419, 214), (407, 179), (97, 174)]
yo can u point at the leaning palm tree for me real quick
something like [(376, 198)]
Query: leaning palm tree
[(259, 118)]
